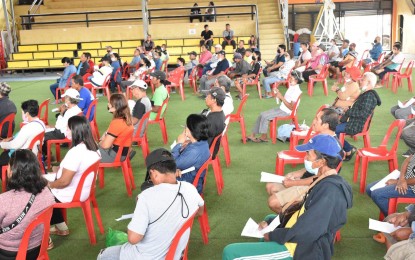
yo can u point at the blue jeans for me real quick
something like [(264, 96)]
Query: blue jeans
[(341, 128), (270, 80), (206, 68), (53, 88), (159, 63), (381, 196)]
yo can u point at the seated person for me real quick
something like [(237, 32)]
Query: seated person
[(253, 42), (241, 66), (83, 66), (152, 227), (115, 64), (404, 187), (192, 149), (62, 81), (206, 37), (177, 73), (241, 48), (90, 63), (120, 124), (160, 94), (408, 134), (317, 62), (98, 77), (402, 113), (285, 109), (210, 13), (25, 183), (391, 64), (138, 74), (67, 110), (109, 52), (205, 57), (207, 80), (142, 105), (305, 56), (333, 51), (136, 59), (64, 181), (277, 62), (85, 95), (248, 55), (157, 57), (195, 13), (7, 107), (350, 91), (375, 52), (228, 37), (148, 44), (316, 219), (349, 60), (298, 181), (280, 75), (213, 61), (251, 75), (353, 121), (224, 83), (164, 53), (32, 127), (193, 62)]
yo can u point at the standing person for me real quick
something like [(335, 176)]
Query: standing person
[(142, 105), (206, 37), (195, 13), (160, 93), (160, 212), (287, 105), (61, 82), (85, 95), (25, 183), (119, 127), (7, 107), (228, 37), (277, 62), (148, 44), (309, 232), (210, 13), (83, 65)]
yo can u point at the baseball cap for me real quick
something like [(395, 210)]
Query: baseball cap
[(192, 53), (346, 40), (72, 93), (222, 52), (322, 143), (218, 94), (158, 155), (321, 46), (218, 46), (5, 89), (354, 73), (139, 84), (237, 55), (158, 74)]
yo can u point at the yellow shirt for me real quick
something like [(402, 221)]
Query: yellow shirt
[(291, 246)]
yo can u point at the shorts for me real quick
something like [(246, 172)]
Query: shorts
[(291, 193)]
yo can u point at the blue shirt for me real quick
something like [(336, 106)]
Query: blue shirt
[(66, 73), (376, 51), (195, 154), (115, 66), (135, 60), (83, 104)]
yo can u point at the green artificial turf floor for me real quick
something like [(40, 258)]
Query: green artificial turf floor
[(243, 196)]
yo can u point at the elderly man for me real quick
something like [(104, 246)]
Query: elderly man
[(241, 66), (7, 107), (309, 232), (207, 80), (213, 61), (354, 119)]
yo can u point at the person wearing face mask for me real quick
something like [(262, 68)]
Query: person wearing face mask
[(391, 64), (224, 83), (138, 74), (251, 75), (349, 60), (241, 66), (172, 75), (192, 149), (277, 62), (64, 180), (99, 75), (309, 232), (31, 128), (280, 75), (317, 62), (294, 183), (109, 52), (350, 91), (305, 56), (375, 52), (61, 82), (115, 64), (353, 121)]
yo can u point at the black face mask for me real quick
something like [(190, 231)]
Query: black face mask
[(278, 51), (350, 49), (253, 58), (108, 51), (375, 41)]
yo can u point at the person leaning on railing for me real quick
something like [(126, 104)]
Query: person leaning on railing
[(195, 13)]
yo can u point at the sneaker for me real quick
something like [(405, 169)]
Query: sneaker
[(50, 244), (407, 153)]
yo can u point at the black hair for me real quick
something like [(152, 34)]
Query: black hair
[(31, 106), (211, 3), (67, 60), (397, 46), (87, 55), (227, 24), (305, 44), (205, 26), (164, 167), (330, 117), (242, 41), (26, 174), (81, 132), (107, 59), (78, 80), (182, 60), (258, 54), (117, 56), (195, 4), (147, 62), (282, 46), (198, 126), (331, 161)]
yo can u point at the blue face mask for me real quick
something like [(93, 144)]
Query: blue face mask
[(308, 165)]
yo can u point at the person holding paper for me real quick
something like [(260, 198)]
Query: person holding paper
[(192, 149), (404, 187), (310, 231), (403, 112)]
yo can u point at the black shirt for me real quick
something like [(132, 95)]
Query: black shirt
[(216, 123), (148, 46), (255, 69), (241, 51), (206, 34), (6, 108), (139, 109)]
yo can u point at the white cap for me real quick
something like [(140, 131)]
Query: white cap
[(72, 93), (218, 46), (139, 83)]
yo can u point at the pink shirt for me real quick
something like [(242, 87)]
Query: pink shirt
[(12, 204), (205, 56)]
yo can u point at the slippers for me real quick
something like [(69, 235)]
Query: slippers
[(263, 140), (380, 237), (350, 156), (248, 139)]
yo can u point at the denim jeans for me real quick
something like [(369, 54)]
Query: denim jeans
[(341, 128), (206, 68), (53, 88), (270, 80), (159, 63), (381, 196)]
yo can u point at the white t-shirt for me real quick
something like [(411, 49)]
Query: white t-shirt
[(305, 55), (292, 94), (78, 159), (158, 236), (99, 76), (227, 107), (333, 49), (62, 121)]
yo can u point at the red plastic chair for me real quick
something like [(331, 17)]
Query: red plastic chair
[(164, 66), (193, 79), (285, 82), (176, 80), (125, 165), (85, 205), (93, 122), (9, 121), (87, 83), (127, 70), (57, 143), (173, 246), (239, 117), (379, 61), (43, 219), (44, 111), (160, 120), (321, 77), (62, 90), (397, 78), (105, 86), (380, 153), (256, 83), (215, 163), (365, 55), (225, 143), (292, 117), (386, 78), (364, 133), (142, 139)]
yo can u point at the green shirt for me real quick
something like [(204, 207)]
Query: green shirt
[(160, 94)]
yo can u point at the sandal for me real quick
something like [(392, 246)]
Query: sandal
[(56, 231), (50, 244), (263, 140), (350, 156), (380, 238), (249, 139)]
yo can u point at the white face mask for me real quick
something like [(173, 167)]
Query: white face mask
[(347, 80), (66, 104), (364, 88), (308, 165), (113, 59)]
